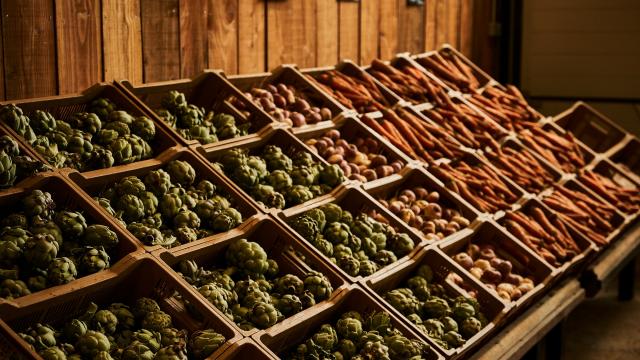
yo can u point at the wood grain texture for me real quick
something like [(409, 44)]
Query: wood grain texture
[(160, 39), (349, 32), (29, 48), (2, 97), (193, 37), (441, 22), (388, 37), (251, 44), (222, 35), (466, 27), (410, 27), (430, 25), (78, 44), (122, 40), (453, 23), (370, 30), (291, 37), (327, 32)]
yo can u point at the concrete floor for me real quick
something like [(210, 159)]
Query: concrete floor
[(604, 328)]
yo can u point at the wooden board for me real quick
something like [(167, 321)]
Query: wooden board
[(291, 36), (160, 39), (122, 40), (466, 27), (370, 30), (349, 43), (410, 27), (79, 44), (441, 22), (193, 37), (388, 37), (222, 35), (29, 48), (1, 63), (430, 26), (453, 23), (327, 32), (251, 45)]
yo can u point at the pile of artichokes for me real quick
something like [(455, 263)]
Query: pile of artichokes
[(276, 180), (251, 291), (15, 166), (168, 207), (448, 321), (359, 246), (194, 123), (42, 247), (357, 337), (141, 331), (100, 137)]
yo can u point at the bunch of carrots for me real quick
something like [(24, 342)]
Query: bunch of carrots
[(452, 70), (480, 185), (507, 107), (586, 214), (546, 235), (357, 92), (408, 82), (417, 138), (520, 166), (561, 151), (625, 199), (464, 124)]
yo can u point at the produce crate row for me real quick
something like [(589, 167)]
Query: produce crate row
[(379, 173)]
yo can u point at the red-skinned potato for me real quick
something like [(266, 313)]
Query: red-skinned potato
[(464, 260)]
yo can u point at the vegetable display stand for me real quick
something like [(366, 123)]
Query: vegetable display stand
[(542, 224), (455, 70), (93, 186), (64, 107), (290, 147), (280, 245), (352, 87), (408, 80), (480, 184), (32, 161), (65, 197), (628, 157), (284, 338), (522, 166), (498, 244), (418, 177), (613, 185), (246, 349), (144, 277), (357, 202), (586, 212), (296, 95), (209, 91), (441, 267), (591, 127), (356, 148)]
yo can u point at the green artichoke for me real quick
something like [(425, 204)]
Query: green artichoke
[(150, 339), (204, 343), (53, 353), (297, 194), (156, 321), (143, 127), (100, 235), (40, 250), (104, 321), (173, 352), (143, 306), (181, 172), (38, 203), (61, 271), (92, 343), (101, 107), (317, 284), (279, 180), (248, 256), (125, 317), (137, 351)]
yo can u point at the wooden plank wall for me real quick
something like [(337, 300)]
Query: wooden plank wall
[(53, 47)]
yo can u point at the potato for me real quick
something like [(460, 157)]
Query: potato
[(378, 160), (460, 221), (325, 114), (421, 193), (482, 264), (476, 272), (491, 275), (433, 197), (335, 159), (464, 260), (505, 295)]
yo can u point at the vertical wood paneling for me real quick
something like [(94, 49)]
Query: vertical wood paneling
[(466, 27), (122, 40), (193, 37), (388, 37), (251, 44), (160, 39), (349, 32), (29, 48), (2, 97), (370, 30), (291, 25), (410, 27), (453, 23), (222, 35), (441, 22), (430, 25), (79, 45), (327, 32)]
